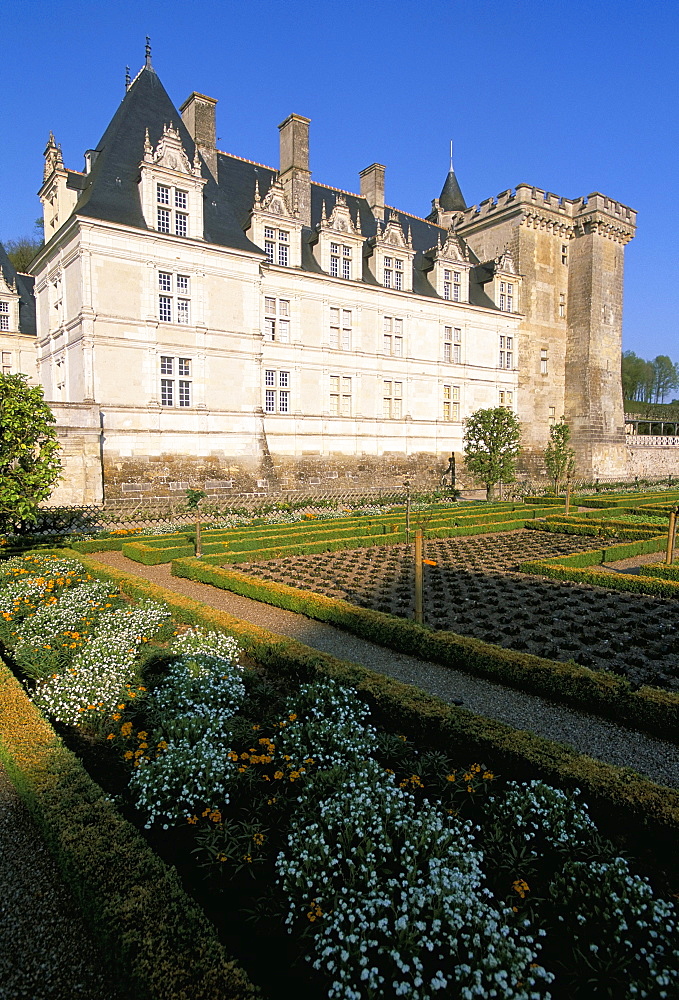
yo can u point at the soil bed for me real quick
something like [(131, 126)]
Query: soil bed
[(474, 590)]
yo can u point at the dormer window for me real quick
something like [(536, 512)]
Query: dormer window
[(277, 246), (507, 296), (172, 215), (4, 315), (452, 284), (171, 188), (340, 261), (393, 273)]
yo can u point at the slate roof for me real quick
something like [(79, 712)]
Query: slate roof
[(110, 191), (24, 286), (451, 198)]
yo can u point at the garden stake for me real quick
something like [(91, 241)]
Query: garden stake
[(407, 486), (199, 543), (568, 498), (419, 616), (670, 537)]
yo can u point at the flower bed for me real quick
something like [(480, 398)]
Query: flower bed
[(387, 867)]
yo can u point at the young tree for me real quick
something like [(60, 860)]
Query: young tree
[(29, 450), (22, 250), (491, 445), (559, 456)]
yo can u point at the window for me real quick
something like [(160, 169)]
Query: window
[(276, 391), (388, 271), (6, 362), (392, 404), (506, 398), (174, 305), (451, 402), (340, 396), (506, 296), (447, 284), (4, 315), (456, 286), (552, 414), (393, 336), (452, 344), (172, 210), (170, 365), (340, 328), (562, 306), (277, 245), (393, 273), (340, 260), (506, 359), (564, 253), (277, 319), (543, 361)]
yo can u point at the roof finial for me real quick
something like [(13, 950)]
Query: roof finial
[(127, 78), (148, 53), (451, 154)]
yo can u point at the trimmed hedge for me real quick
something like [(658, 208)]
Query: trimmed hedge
[(600, 692), (663, 570), (627, 582), (159, 941), (589, 531), (619, 798), (222, 552)]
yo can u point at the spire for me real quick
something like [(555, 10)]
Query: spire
[(147, 63), (258, 200), (128, 81), (451, 198), (148, 148)]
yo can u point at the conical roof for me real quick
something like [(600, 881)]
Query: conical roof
[(111, 190), (451, 199)]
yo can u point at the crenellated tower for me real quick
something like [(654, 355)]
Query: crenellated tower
[(569, 254)]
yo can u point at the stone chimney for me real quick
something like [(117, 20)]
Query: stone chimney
[(372, 188), (198, 114), (294, 171)]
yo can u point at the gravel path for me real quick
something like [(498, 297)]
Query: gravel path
[(46, 952), (587, 734)]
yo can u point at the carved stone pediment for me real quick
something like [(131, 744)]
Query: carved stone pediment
[(7, 287), (340, 220), (274, 201), (454, 249), (505, 262), (392, 235), (169, 153)]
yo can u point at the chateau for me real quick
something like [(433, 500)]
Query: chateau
[(203, 318)]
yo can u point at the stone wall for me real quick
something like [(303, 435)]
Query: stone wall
[(219, 475), (79, 430), (653, 460)]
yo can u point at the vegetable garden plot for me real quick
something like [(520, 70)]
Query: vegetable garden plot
[(471, 593), (379, 869)]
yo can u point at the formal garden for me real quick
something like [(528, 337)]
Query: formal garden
[(240, 815), (312, 816)]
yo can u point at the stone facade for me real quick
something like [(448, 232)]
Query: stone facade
[(231, 321)]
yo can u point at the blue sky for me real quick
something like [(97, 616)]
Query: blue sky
[(571, 97)]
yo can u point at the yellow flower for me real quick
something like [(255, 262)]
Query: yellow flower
[(258, 838), (278, 775), (488, 775), (111, 736), (192, 820), (293, 716), (450, 777), (128, 755), (116, 716)]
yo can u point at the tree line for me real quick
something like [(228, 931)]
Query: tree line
[(648, 381)]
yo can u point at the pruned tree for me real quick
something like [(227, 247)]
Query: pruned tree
[(559, 456), (492, 442), (29, 450)]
